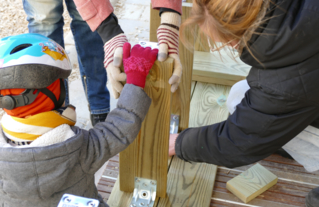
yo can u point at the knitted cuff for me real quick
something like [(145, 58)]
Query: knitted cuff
[(162, 10), (171, 18), (111, 45)]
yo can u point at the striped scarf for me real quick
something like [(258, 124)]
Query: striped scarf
[(22, 131)]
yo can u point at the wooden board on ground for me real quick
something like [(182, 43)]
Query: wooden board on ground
[(291, 189), (191, 184), (251, 183), (218, 68), (147, 156)]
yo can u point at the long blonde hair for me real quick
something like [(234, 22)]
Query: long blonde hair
[(224, 20)]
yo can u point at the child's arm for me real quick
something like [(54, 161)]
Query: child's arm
[(122, 124)]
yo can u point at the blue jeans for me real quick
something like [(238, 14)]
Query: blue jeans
[(45, 17)]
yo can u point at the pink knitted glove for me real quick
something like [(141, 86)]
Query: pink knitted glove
[(137, 63)]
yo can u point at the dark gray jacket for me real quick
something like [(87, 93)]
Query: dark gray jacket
[(284, 94), (39, 176)]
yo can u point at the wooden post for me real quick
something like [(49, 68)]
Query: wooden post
[(181, 98), (147, 156)]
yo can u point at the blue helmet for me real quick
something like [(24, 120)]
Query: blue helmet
[(31, 61)]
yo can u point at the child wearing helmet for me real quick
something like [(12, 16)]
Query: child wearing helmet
[(42, 154)]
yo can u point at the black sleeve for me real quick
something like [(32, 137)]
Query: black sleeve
[(167, 10), (261, 124), (109, 28)]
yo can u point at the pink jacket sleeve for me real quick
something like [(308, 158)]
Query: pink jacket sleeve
[(170, 4), (94, 12)]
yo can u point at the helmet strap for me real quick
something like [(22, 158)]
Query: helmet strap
[(11, 102), (50, 94), (28, 96)]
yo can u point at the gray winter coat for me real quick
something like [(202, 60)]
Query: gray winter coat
[(39, 176)]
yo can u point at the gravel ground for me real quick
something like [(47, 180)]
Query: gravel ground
[(13, 18)]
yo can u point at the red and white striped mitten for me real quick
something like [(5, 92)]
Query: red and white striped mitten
[(113, 55), (168, 38)]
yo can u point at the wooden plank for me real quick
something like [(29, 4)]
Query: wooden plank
[(208, 105), (188, 184), (289, 191), (215, 80), (147, 156), (155, 21), (218, 68), (229, 198), (181, 98), (119, 198), (129, 166), (154, 135), (251, 183), (191, 184)]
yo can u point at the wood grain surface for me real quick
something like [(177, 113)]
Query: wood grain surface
[(147, 156), (252, 182), (154, 135), (218, 68), (181, 98), (290, 191), (208, 105)]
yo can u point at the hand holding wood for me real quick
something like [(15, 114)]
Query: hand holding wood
[(171, 147), (168, 37), (138, 63)]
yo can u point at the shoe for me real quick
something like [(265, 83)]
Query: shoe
[(283, 153), (312, 199), (96, 118)]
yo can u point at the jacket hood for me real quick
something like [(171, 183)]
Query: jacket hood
[(33, 173), (289, 37)]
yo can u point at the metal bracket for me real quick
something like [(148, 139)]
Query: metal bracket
[(144, 193), (174, 123), (152, 45)]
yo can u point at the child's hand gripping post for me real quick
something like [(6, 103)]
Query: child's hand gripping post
[(138, 63)]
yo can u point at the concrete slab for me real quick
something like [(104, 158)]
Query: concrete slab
[(135, 30), (140, 2)]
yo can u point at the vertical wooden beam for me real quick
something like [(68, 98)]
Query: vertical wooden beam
[(181, 98), (154, 136), (147, 156), (155, 21), (128, 166)]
